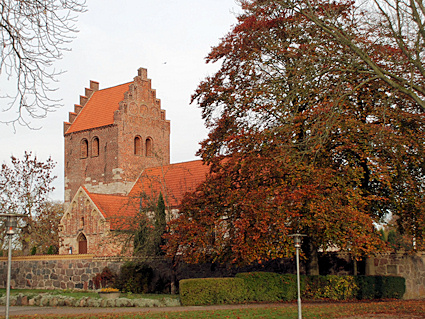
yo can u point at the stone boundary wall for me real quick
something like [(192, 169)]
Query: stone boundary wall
[(55, 271), (77, 271), (409, 266)]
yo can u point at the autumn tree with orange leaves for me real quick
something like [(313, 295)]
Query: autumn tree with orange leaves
[(316, 121)]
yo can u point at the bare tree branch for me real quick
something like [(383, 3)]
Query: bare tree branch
[(33, 35)]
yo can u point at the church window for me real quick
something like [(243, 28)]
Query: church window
[(95, 147), (149, 147), (137, 145), (84, 148)]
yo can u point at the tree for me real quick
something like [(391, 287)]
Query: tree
[(148, 237), (34, 35), (25, 186), (304, 138), (45, 234), (396, 26)]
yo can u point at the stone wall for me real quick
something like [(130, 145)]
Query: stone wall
[(77, 271), (409, 266), (56, 271)]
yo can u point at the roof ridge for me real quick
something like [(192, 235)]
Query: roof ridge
[(114, 86)]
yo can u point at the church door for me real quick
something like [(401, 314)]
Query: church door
[(82, 244)]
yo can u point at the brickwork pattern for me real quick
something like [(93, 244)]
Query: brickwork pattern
[(92, 171), (116, 167), (83, 217)]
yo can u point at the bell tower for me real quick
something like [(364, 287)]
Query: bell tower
[(112, 135)]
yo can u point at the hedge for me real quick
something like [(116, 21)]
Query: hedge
[(212, 291), (272, 287), (380, 287), (330, 287), (267, 286)]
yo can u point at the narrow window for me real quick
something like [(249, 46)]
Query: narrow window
[(95, 147), (84, 148), (149, 151), (138, 145)]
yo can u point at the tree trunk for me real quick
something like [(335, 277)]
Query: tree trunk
[(312, 262), (173, 288), (25, 235)]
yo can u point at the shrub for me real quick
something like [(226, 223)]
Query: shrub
[(212, 291), (331, 287), (105, 279), (271, 287), (267, 286), (135, 278), (380, 287)]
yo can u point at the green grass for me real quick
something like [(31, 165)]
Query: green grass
[(79, 294), (310, 311)]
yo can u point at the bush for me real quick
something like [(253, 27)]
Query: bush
[(380, 287), (105, 279), (330, 287), (135, 278), (212, 291), (272, 287), (269, 287)]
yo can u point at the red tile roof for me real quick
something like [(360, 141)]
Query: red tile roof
[(117, 209), (173, 180), (99, 109)]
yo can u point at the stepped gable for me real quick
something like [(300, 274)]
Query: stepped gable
[(173, 180), (140, 99), (97, 109)]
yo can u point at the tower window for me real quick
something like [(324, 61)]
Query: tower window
[(149, 147), (95, 147), (138, 145), (84, 148)]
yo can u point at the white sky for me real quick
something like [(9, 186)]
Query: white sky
[(168, 37)]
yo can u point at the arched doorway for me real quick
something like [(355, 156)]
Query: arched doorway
[(82, 244)]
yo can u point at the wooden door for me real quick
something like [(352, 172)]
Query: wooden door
[(82, 247)]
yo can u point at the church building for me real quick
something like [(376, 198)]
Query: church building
[(117, 148)]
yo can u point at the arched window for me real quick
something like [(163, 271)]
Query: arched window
[(82, 244), (149, 147), (95, 147), (84, 150), (138, 145)]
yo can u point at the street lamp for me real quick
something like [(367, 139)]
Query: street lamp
[(297, 244), (11, 224)]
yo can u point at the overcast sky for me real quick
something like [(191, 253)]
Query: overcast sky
[(168, 37)]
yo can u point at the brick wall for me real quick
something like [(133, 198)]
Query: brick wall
[(92, 171), (84, 219), (116, 167)]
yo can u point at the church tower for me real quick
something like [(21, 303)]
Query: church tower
[(112, 135)]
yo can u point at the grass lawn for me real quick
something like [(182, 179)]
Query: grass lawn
[(394, 309), (78, 294)]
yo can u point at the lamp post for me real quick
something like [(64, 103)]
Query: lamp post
[(297, 244), (11, 224)]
